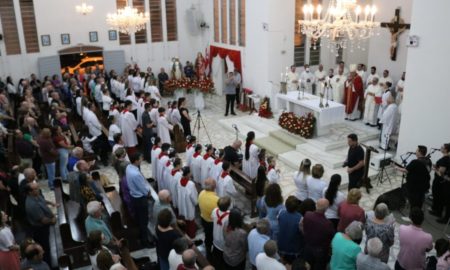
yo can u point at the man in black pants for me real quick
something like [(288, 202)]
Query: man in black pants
[(230, 92), (354, 162), (147, 131), (238, 80)]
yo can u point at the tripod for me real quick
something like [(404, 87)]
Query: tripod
[(382, 176), (199, 122)]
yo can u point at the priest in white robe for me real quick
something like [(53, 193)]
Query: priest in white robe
[(384, 97), (390, 123), (341, 66), (320, 78), (307, 79), (337, 82), (161, 164), (164, 127), (372, 95), (129, 124), (292, 79), (386, 78), (187, 201), (373, 74), (399, 89), (207, 164)]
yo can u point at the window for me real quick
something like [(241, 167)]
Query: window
[(302, 47), (216, 21), (124, 39), (29, 26), (10, 33), (171, 20), (229, 22), (140, 36), (232, 22), (156, 20)]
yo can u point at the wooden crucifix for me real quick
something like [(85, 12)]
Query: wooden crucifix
[(396, 27)]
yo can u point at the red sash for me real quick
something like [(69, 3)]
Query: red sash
[(162, 154), (206, 156), (174, 171), (217, 161), (221, 217), (188, 146), (196, 155), (168, 163), (184, 181), (270, 168), (155, 147), (224, 174)]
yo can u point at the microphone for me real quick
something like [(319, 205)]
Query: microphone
[(435, 149), (411, 153), (235, 127)]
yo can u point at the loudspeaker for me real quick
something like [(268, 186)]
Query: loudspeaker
[(394, 199)]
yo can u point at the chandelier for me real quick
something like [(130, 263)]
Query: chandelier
[(128, 20), (84, 8), (344, 23)]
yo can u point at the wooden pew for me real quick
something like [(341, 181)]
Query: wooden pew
[(70, 232), (74, 133), (249, 186)]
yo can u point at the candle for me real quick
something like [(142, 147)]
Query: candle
[(373, 11), (357, 12), (319, 10), (367, 11), (281, 78)]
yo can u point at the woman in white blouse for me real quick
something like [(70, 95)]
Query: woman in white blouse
[(304, 171), (315, 184), (250, 163), (334, 197)]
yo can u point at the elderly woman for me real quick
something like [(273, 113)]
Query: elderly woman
[(315, 184), (345, 247), (235, 248), (378, 227), (370, 215), (349, 210), (371, 261)]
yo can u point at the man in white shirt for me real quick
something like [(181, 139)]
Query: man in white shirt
[(129, 125), (307, 79), (320, 76), (372, 94), (187, 201), (386, 78), (175, 255), (341, 65), (373, 74), (292, 79), (225, 186), (266, 260), (399, 92)]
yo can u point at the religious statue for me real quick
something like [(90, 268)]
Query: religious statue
[(200, 66), (396, 27), (176, 69)]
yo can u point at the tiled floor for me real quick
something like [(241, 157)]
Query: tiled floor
[(210, 128)]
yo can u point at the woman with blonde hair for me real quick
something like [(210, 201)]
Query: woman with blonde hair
[(349, 210), (300, 176), (315, 184)]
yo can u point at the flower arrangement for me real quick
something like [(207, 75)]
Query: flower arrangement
[(264, 109), (204, 85), (303, 126)]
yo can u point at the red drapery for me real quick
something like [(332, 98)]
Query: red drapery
[(235, 56)]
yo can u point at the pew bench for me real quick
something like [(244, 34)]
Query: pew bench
[(249, 186)]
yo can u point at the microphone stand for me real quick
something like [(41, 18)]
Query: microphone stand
[(404, 163)]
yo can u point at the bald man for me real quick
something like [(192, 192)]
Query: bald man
[(318, 232), (189, 258), (232, 153), (163, 202)]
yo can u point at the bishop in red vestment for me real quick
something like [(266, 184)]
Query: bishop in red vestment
[(353, 95)]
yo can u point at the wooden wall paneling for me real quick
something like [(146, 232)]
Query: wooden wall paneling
[(140, 36), (242, 22), (9, 25), (216, 21), (233, 22), (224, 19), (171, 20), (156, 20)]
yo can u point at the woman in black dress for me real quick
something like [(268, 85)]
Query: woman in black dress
[(185, 118)]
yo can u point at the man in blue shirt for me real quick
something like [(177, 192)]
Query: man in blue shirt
[(140, 191), (256, 240)]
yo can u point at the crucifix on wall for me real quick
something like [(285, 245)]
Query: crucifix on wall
[(396, 26)]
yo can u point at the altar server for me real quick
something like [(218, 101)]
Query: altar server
[(386, 78), (196, 164), (390, 123), (273, 175), (225, 186), (250, 163), (162, 160), (175, 176), (373, 96), (167, 170), (307, 79), (207, 164), (154, 114), (373, 74), (292, 79), (187, 201), (337, 83), (190, 149), (156, 150), (163, 126), (216, 169), (129, 125), (320, 77)]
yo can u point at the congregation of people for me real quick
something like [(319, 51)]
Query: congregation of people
[(191, 209)]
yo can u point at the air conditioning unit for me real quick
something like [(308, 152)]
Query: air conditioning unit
[(379, 161)]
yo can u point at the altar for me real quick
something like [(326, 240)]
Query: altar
[(325, 117)]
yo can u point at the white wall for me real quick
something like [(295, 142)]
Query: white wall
[(55, 17), (425, 114)]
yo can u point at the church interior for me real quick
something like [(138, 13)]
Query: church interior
[(224, 134)]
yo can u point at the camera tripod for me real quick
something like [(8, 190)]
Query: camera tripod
[(198, 124)]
